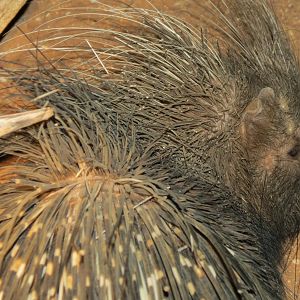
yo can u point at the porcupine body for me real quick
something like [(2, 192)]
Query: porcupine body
[(141, 185)]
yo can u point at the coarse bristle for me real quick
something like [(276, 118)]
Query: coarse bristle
[(84, 215), (201, 87), (170, 169)]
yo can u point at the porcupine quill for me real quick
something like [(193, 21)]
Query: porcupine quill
[(160, 175)]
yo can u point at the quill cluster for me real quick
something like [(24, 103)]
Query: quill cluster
[(170, 169)]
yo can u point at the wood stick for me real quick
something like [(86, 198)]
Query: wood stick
[(8, 10), (13, 122)]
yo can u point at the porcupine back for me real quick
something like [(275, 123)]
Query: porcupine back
[(85, 216), (190, 131)]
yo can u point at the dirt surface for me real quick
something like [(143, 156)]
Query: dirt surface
[(288, 12)]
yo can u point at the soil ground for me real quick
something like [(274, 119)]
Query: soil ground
[(288, 12)]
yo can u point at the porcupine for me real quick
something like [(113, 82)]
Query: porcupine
[(156, 95)]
